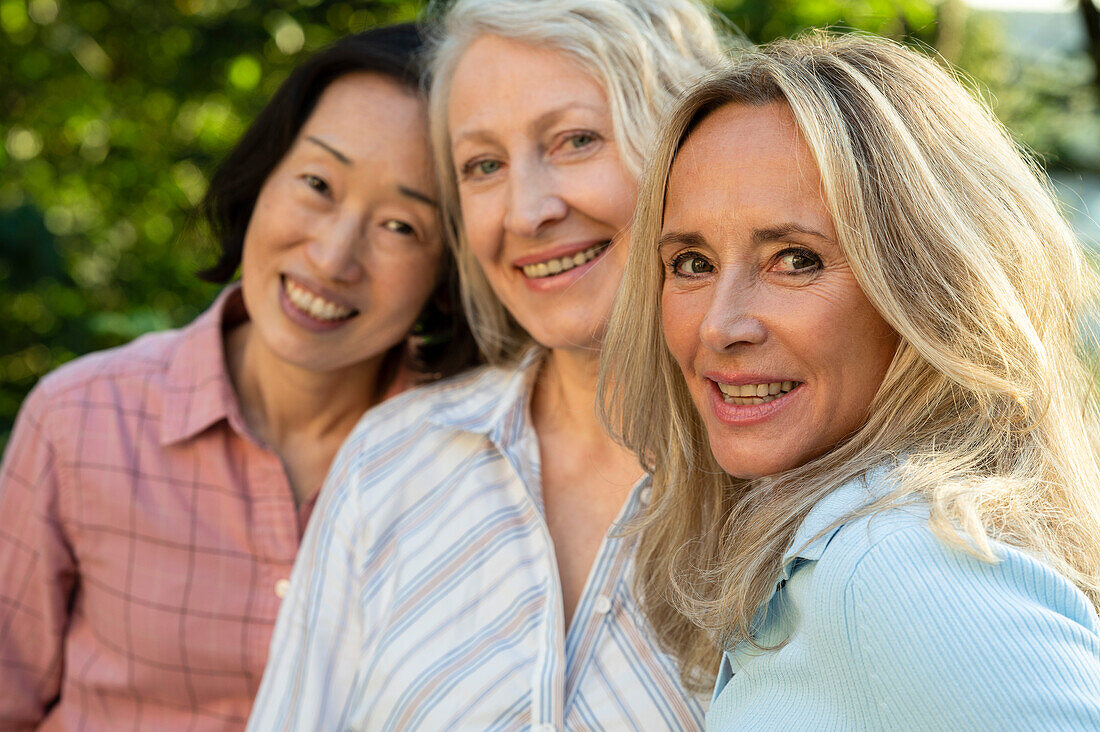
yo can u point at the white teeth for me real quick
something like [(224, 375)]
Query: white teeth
[(755, 393), (314, 305), (563, 264)]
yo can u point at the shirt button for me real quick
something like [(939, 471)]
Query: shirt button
[(603, 605), (281, 588), (544, 728)]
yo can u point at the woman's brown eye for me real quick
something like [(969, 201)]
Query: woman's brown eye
[(317, 184), (796, 261), (398, 227), (691, 264)]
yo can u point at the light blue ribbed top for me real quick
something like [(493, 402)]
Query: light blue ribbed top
[(891, 629)]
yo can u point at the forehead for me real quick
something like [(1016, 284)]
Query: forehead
[(373, 121), (500, 82), (368, 102), (743, 159)]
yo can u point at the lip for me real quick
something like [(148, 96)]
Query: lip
[(747, 414), (304, 319), (562, 250), (740, 379), (562, 279), (319, 291)]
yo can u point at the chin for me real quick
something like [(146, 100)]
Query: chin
[(748, 467), (581, 337)]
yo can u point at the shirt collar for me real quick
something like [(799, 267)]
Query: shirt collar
[(198, 390), (495, 403), (824, 519)]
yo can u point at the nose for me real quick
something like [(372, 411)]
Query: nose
[(534, 200), (733, 317), (336, 250)]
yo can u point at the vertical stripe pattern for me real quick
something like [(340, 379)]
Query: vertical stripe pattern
[(426, 594)]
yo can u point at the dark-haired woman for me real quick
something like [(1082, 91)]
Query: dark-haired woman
[(153, 497)]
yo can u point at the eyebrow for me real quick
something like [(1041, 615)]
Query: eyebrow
[(415, 194), (685, 238), (544, 120), (783, 230), (759, 236), (404, 190), (335, 153)]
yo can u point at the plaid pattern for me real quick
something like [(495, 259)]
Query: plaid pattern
[(144, 537)]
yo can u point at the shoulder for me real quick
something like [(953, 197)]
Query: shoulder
[(420, 423), (894, 559), (109, 372), (445, 405), (925, 625), (415, 446)]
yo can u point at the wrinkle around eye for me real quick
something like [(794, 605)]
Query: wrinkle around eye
[(472, 171), (812, 262)]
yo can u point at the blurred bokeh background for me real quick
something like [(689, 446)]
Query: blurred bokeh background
[(114, 113)]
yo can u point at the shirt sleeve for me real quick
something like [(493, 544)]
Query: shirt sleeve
[(37, 569), (311, 671), (942, 640)]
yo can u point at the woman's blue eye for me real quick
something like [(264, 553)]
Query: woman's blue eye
[(582, 140), (482, 167), (691, 265)]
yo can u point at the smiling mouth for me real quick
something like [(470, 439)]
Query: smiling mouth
[(745, 394), (557, 265), (311, 304)]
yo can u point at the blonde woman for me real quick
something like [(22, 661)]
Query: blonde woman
[(845, 349), (464, 572)]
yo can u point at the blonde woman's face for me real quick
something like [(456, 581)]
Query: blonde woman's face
[(544, 194), (780, 349)]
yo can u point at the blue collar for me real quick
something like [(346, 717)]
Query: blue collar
[(825, 519)]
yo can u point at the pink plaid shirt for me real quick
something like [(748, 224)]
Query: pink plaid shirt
[(146, 538)]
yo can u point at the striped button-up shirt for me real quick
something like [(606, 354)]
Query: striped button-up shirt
[(427, 597)]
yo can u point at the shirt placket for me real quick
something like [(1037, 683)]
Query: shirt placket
[(275, 536), (548, 675), (598, 605)]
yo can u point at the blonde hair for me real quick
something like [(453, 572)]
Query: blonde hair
[(642, 52), (986, 409)]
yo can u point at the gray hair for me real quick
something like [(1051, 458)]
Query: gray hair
[(642, 52)]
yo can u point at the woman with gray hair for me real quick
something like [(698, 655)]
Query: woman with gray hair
[(851, 309), (464, 570)]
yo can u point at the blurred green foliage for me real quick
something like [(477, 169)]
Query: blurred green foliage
[(114, 113)]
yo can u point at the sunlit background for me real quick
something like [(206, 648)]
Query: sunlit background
[(114, 113)]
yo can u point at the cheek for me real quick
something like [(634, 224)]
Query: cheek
[(680, 321), (610, 192), (861, 346), (482, 225), (412, 279)]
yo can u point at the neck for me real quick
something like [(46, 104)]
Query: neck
[(280, 401), (565, 394)]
